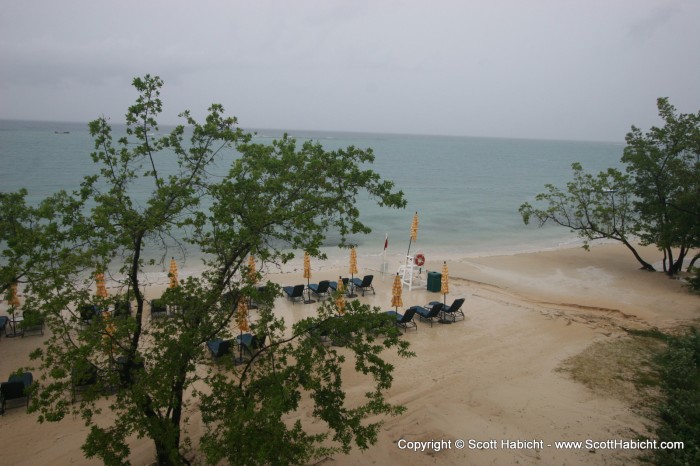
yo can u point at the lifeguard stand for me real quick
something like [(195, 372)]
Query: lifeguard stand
[(411, 274)]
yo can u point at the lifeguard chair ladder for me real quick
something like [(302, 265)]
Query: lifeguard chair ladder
[(410, 274)]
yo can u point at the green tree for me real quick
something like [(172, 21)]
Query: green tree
[(656, 201), (225, 203), (664, 164), (595, 207)]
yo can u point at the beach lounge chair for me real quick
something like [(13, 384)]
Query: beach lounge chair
[(334, 285), (158, 309), (452, 311), (32, 321), (365, 284), (3, 324), (320, 289), (428, 312), (405, 320), (88, 312), (294, 292), (219, 347), (122, 309), (250, 342), (83, 376), (129, 373), (15, 389)]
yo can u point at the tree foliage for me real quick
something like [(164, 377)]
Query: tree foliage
[(200, 193), (595, 207), (664, 165), (655, 201)]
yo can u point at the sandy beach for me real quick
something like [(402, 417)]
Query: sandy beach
[(490, 378)]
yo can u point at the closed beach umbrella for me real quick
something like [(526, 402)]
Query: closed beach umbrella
[(307, 266), (101, 288), (414, 233), (396, 293), (172, 273), (242, 324), (414, 227), (13, 300), (353, 261), (109, 332), (252, 273), (444, 281), (340, 299), (307, 275), (242, 316), (353, 270)]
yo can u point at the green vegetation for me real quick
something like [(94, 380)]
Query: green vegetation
[(151, 375), (656, 200), (680, 410), (659, 376)]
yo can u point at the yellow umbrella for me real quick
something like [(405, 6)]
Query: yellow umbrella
[(353, 261), (444, 282), (353, 271), (14, 297), (13, 301), (242, 324), (173, 273), (396, 293), (307, 265), (340, 299), (252, 274), (307, 275), (414, 233), (100, 283), (414, 227), (242, 316), (109, 332)]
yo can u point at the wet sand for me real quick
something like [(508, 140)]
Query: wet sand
[(489, 378)]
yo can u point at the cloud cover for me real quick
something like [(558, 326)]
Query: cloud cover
[(558, 69)]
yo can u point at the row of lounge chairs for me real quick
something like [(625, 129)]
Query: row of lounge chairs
[(429, 312), (31, 322), (247, 342), (323, 288)]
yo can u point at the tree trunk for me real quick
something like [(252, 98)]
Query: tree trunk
[(645, 264), (678, 265), (167, 443), (692, 262)]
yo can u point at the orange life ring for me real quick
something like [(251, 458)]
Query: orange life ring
[(419, 260)]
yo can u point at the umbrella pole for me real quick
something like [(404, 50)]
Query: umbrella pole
[(240, 348), (409, 248), (308, 301), (351, 286)]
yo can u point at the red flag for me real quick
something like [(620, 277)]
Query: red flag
[(386, 241)]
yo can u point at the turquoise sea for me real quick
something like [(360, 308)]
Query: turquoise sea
[(466, 190)]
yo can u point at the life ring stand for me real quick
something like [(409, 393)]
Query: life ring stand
[(419, 260)]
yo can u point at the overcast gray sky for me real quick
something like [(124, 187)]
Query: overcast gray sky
[(554, 69)]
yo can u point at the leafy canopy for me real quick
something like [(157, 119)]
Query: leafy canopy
[(205, 187)]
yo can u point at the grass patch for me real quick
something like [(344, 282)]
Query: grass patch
[(659, 376), (624, 368), (680, 409)]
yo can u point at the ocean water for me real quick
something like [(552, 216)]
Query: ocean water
[(466, 190)]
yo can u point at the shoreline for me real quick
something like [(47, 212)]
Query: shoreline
[(374, 258), (492, 376)]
